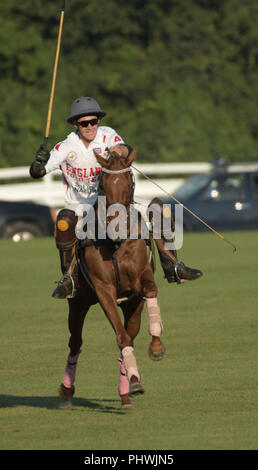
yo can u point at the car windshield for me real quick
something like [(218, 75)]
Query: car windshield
[(191, 185)]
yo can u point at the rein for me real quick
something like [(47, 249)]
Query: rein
[(186, 208)]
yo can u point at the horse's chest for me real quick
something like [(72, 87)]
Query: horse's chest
[(131, 260)]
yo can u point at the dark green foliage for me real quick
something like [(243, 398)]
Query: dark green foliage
[(177, 78)]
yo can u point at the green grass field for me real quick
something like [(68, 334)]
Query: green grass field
[(202, 395)]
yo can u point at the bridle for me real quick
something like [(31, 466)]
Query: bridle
[(117, 172)]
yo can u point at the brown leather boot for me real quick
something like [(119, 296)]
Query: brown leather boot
[(66, 243), (174, 269), (68, 284)]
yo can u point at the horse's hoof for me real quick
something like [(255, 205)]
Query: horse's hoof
[(126, 402), (136, 387), (66, 395), (157, 355), (127, 407)]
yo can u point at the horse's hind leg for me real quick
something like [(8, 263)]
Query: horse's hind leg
[(124, 386), (75, 322)]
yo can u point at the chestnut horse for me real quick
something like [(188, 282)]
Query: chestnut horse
[(118, 272)]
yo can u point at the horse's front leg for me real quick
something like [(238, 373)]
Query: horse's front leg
[(77, 312), (107, 299), (150, 290)]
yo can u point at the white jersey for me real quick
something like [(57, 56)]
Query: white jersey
[(79, 166)]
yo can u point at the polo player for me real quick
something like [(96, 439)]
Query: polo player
[(75, 157)]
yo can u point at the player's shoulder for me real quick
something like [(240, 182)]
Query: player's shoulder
[(109, 135), (63, 145), (107, 130)]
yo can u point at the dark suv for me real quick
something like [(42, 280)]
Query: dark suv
[(25, 220), (226, 198)]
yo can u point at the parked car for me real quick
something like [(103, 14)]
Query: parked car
[(225, 198), (25, 220)]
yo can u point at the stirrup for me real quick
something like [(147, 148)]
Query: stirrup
[(73, 288), (62, 280), (186, 274), (66, 276), (177, 278)]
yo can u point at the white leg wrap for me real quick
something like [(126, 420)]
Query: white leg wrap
[(130, 362), (154, 317)]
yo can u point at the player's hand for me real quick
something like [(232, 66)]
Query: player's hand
[(43, 154), (119, 149), (37, 169)]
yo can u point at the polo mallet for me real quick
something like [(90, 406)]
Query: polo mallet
[(50, 106), (186, 208)]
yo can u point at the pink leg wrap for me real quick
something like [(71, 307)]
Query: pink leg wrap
[(124, 386), (154, 317), (70, 371), (130, 363)]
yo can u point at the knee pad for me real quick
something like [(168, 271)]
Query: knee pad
[(162, 216), (65, 229)]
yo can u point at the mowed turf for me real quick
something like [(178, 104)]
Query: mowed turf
[(202, 395)]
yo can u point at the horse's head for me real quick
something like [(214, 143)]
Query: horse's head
[(116, 181), (117, 185)]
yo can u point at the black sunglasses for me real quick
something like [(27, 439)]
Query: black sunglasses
[(93, 122)]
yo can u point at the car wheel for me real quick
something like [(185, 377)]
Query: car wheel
[(22, 231)]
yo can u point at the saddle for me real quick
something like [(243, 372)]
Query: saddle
[(113, 246)]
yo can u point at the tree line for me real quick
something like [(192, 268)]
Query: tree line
[(178, 78)]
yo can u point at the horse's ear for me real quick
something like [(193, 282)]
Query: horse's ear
[(131, 157), (101, 160)]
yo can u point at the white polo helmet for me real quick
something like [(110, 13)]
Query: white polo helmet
[(85, 106)]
